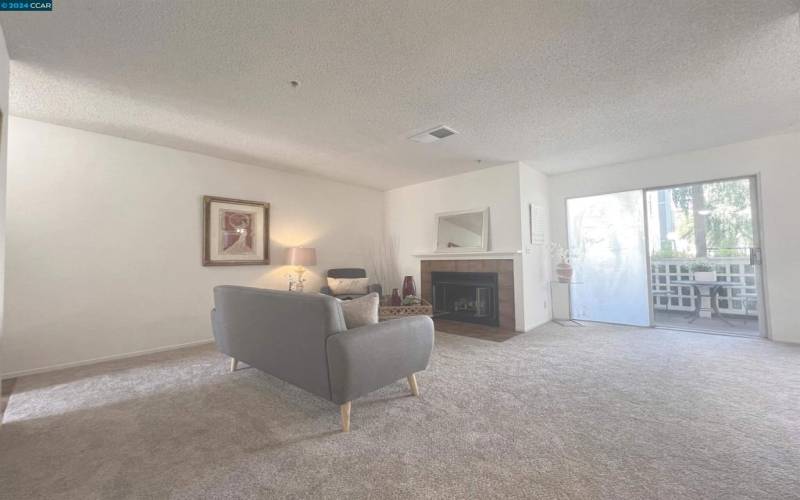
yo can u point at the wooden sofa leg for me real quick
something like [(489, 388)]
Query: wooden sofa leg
[(234, 363), (345, 409), (412, 381)]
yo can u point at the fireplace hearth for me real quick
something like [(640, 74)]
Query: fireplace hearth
[(466, 296)]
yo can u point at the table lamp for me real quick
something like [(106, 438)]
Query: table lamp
[(300, 257)]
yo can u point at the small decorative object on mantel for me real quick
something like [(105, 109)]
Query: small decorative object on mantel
[(409, 288), (563, 267), (395, 300), (704, 272), (235, 232)]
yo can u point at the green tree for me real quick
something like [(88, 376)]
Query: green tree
[(721, 215)]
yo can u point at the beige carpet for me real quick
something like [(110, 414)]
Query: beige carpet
[(595, 412)]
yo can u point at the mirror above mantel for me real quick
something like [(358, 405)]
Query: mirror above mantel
[(463, 231)]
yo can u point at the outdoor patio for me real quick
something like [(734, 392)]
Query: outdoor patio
[(735, 297), (737, 325)]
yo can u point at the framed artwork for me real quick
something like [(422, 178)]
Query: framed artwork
[(537, 215), (235, 232)]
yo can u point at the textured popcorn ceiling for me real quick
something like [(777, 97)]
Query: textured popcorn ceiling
[(562, 85)]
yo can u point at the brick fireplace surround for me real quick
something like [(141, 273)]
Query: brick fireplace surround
[(505, 281)]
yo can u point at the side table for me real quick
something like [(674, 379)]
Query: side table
[(568, 321)]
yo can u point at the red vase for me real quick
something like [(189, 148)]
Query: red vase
[(409, 288), (396, 300)]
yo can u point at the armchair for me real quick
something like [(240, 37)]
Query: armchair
[(350, 273), (302, 339)]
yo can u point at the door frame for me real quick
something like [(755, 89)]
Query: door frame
[(647, 261)]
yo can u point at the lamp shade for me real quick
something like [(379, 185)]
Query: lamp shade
[(301, 256)]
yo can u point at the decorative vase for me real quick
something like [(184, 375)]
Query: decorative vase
[(409, 288), (396, 300), (564, 272)]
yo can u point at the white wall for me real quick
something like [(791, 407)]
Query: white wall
[(104, 241), (410, 211), (777, 162), (534, 189), (410, 222), (4, 61)]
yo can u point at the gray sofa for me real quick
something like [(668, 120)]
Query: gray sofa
[(350, 273), (302, 339)]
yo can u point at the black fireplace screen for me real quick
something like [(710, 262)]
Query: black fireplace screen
[(468, 297)]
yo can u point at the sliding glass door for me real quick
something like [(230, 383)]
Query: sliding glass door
[(609, 256), (705, 257), (685, 257)]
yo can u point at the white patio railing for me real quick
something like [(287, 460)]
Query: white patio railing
[(740, 297)]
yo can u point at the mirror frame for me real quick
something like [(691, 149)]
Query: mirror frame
[(484, 247)]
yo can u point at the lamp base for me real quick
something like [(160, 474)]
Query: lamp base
[(299, 284)]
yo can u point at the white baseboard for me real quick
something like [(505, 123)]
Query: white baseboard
[(548, 320), (102, 359)]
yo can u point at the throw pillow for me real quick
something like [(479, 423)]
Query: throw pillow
[(348, 286), (361, 311)]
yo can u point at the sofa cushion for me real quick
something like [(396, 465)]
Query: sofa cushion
[(361, 311), (348, 286)]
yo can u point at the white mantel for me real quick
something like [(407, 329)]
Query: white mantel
[(493, 254)]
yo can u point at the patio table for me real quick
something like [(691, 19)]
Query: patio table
[(707, 291)]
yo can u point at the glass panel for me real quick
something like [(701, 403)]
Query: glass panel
[(705, 230), (606, 233)]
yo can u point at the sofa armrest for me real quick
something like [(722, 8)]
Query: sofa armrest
[(376, 288), (364, 359)]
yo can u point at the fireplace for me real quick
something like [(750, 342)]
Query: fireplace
[(503, 269), (466, 296)]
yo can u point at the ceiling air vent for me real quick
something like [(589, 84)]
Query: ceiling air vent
[(434, 134)]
